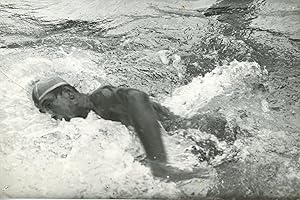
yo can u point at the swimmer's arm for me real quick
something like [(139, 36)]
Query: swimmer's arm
[(145, 122)]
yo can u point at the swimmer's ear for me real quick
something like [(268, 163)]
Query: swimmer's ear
[(70, 93)]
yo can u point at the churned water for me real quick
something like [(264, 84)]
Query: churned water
[(231, 67)]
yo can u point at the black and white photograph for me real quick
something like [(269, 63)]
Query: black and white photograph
[(150, 99)]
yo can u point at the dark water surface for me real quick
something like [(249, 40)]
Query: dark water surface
[(231, 67)]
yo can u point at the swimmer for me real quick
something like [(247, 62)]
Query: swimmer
[(129, 106)]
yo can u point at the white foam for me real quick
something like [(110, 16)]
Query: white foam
[(188, 99)]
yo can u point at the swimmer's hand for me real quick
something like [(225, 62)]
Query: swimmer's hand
[(174, 174)]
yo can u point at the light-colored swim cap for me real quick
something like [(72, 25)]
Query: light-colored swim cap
[(44, 86)]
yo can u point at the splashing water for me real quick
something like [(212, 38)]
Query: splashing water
[(95, 156), (241, 119), (188, 99)]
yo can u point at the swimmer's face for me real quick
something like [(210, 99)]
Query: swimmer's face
[(63, 103)]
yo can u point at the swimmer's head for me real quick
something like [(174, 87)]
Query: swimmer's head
[(58, 98)]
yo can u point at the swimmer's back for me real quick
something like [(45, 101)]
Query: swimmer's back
[(111, 103)]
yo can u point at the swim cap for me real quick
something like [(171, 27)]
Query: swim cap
[(43, 87)]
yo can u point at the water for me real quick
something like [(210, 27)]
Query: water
[(232, 66)]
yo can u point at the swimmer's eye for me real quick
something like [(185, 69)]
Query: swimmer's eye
[(47, 104)]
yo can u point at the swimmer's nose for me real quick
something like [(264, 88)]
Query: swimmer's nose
[(42, 111)]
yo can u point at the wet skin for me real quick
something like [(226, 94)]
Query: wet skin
[(129, 106)]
